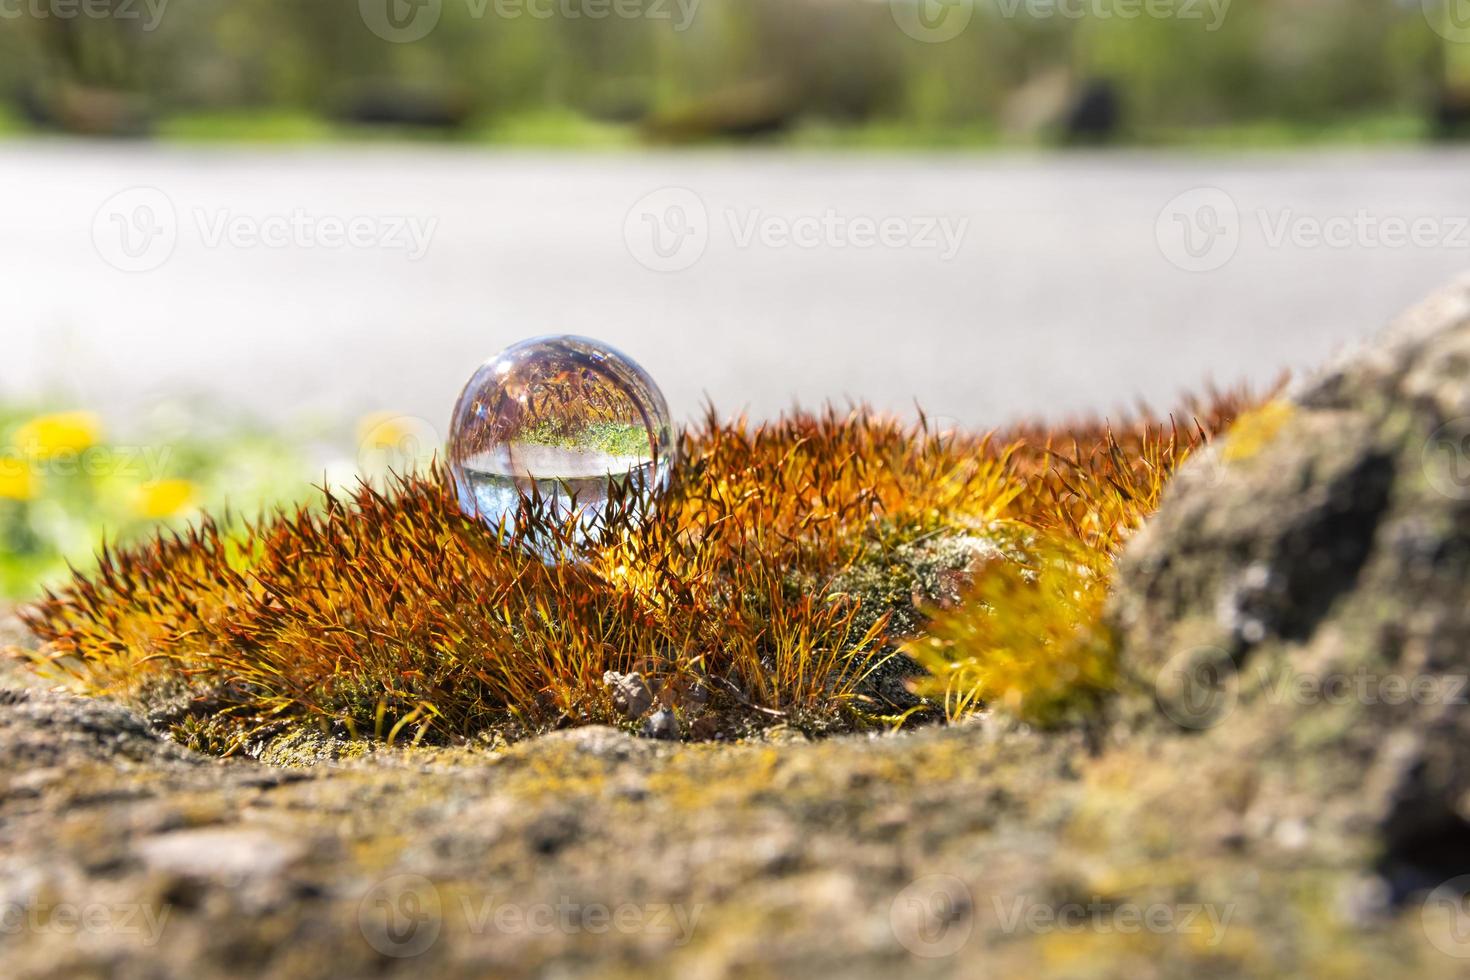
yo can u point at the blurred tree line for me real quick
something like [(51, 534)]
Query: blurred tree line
[(690, 69)]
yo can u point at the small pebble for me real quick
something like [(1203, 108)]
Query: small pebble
[(630, 693), (662, 724)]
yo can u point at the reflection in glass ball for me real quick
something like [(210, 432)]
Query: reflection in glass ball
[(567, 419)]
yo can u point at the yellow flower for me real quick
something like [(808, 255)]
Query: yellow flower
[(46, 436), (17, 479), (159, 499)]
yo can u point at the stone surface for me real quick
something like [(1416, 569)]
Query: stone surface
[(630, 693), (1307, 586), (980, 849)]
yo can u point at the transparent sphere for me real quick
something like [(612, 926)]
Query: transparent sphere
[(566, 418)]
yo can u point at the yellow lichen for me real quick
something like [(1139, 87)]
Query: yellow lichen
[(1253, 431)]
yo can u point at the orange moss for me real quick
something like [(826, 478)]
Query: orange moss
[(395, 616)]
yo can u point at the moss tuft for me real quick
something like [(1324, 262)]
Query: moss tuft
[(761, 593)]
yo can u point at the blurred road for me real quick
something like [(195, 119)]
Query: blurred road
[(345, 280)]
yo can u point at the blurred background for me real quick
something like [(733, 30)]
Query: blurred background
[(817, 72), (251, 244)]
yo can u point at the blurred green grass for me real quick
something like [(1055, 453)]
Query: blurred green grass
[(1369, 129), (563, 129), (252, 126), (550, 127)]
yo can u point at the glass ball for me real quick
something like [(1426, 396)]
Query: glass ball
[(564, 418)]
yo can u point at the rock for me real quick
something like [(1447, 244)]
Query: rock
[(1307, 583), (15, 641), (630, 693), (947, 851), (603, 742), (662, 724), (209, 852), (43, 730)]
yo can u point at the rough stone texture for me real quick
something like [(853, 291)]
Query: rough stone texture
[(630, 693), (924, 854), (1311, 590), (1214, 823)]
